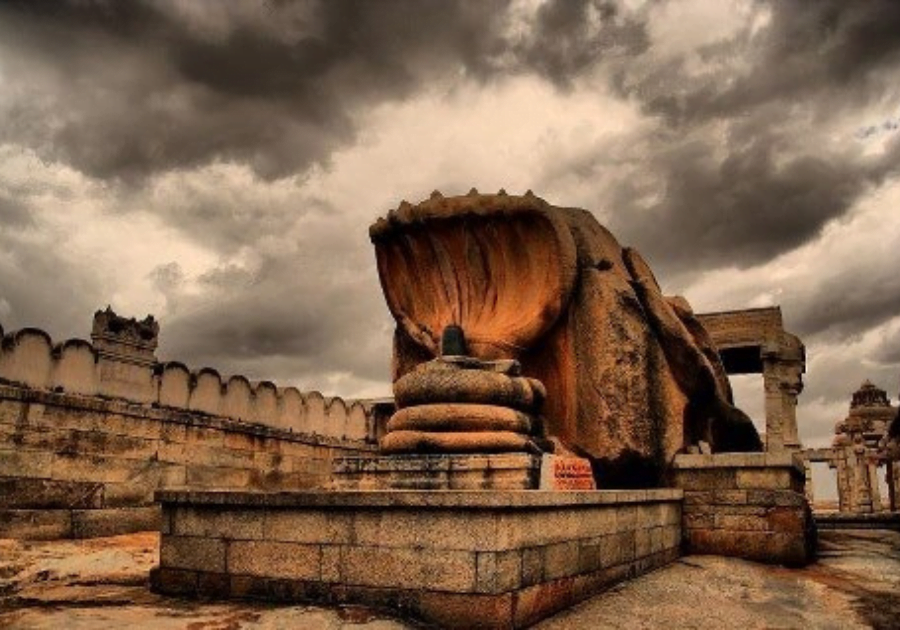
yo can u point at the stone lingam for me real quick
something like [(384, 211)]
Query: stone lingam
[(565, 342), (457, 403)]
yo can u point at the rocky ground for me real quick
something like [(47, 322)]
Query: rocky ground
[(102, 583)]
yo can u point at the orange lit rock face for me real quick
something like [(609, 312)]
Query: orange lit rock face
[(631, 377), (499, 265)]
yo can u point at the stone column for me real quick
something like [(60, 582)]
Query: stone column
[(893, 480), (808, 483), (843, 481), (782, 381), (874, 488), (774, 408), (889, 481), (791, 387), (862, 491)]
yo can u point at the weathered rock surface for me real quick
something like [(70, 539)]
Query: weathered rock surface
[(460, 404), (103, 583), (631, 377), (854, 585), (441, 382)]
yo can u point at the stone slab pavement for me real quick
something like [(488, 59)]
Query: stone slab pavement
[(102, 583)]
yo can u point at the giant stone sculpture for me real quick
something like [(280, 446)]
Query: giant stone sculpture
[(546, 298)]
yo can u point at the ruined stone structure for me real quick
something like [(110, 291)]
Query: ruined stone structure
[(89, 431), (862, 444), (754, 341), (748, 505), (125, 355)]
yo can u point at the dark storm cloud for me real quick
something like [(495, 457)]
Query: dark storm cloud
[(888, 353), (288, 320), (847, 303), (740, 167), (832, 50), (569, 37), (743, 205), (143, 87), (67, 295), (135, 88)]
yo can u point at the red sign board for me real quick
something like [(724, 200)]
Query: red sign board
[(561, 472)]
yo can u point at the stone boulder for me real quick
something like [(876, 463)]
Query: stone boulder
[(631, 376)]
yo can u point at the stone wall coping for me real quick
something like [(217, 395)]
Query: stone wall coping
[(876, 517), (429, 499), (739, 460), (174, 415)]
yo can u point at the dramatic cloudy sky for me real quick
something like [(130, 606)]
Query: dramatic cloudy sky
[(218, 163)]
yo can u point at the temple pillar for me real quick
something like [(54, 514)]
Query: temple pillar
[(860, 481), (783, 363), (808, 483), (792, 385), (893, 481), (774, 408), (843, 487), (874, 487), (889, 480)]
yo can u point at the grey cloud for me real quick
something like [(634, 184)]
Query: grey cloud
[(847, 304), (287, 329), (14, 214), (569, 37), (43, 289), (39, 284), (741, 165), (888, 353), (135, 90), (833, 50), (297, 314), (225, 215), (741, 206), (278, 87), (145, 87), (167, 277)]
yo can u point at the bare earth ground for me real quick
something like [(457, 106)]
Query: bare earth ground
[(102, 583)]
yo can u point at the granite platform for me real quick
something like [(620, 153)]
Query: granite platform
[(451, 558)]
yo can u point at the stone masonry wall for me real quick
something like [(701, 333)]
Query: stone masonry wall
[(79, 466), (747, 505), (458, 559)]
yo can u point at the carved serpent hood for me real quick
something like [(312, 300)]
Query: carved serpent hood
[(500, 267)]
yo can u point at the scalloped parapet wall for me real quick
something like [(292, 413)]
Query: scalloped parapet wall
[(29, 358)]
